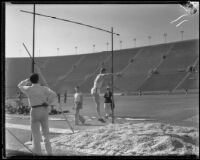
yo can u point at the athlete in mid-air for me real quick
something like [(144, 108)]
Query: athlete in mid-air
[(95, 91)]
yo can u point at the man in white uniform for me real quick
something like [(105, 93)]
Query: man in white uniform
[(95, 91), (78, 103), (38, 97)]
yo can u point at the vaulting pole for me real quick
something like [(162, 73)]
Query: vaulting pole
[(20, 141)]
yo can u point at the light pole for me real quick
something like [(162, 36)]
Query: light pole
[(58, 51), (76, 50), (120, 44), (182, 34), (107, 45), (165, 37), (93, 47), (134, 41), (149, 37)]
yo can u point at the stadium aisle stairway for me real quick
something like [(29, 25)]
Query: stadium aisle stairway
[(137, 72), (134, 73)]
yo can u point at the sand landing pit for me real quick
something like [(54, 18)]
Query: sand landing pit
[(130, 139)]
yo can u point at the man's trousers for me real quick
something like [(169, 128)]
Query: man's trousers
[(39, 117)]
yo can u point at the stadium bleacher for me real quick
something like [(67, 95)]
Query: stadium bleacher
[(137, 72), (57, 67), (87, 66), (133, 66), (181, 55), (120, 59), (162, 82), (192, 81), (17, 69)]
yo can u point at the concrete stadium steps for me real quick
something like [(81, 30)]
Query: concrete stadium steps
[(88, 65), (11, 91), (162, 82), (192, 82), (17, 69), (58, 67), (14, 72), (187, 44), (195, 64), (121, 59), (86, 87), (68, 85), (137, 72), (127, 83), (181, 55)]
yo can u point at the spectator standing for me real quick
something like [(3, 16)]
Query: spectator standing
[(65, 97), (39, 97), (108, 102), (78, 103)]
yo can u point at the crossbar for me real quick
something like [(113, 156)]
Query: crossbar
[(62, 19)]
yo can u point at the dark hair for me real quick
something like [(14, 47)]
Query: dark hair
[(34, 78), (102, 70)]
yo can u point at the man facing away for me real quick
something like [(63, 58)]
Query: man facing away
[(95, 91), (38, 98)]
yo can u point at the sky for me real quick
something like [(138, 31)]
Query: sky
[(59, 38)]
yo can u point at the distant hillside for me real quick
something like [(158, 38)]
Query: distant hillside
[(163, 67)]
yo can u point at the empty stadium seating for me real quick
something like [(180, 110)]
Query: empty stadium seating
[(137, 72), (121, 58), (57, 67), (17, 69), (87, 66), (192, 81), (181, 55), (162, 82), (132, 65)]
